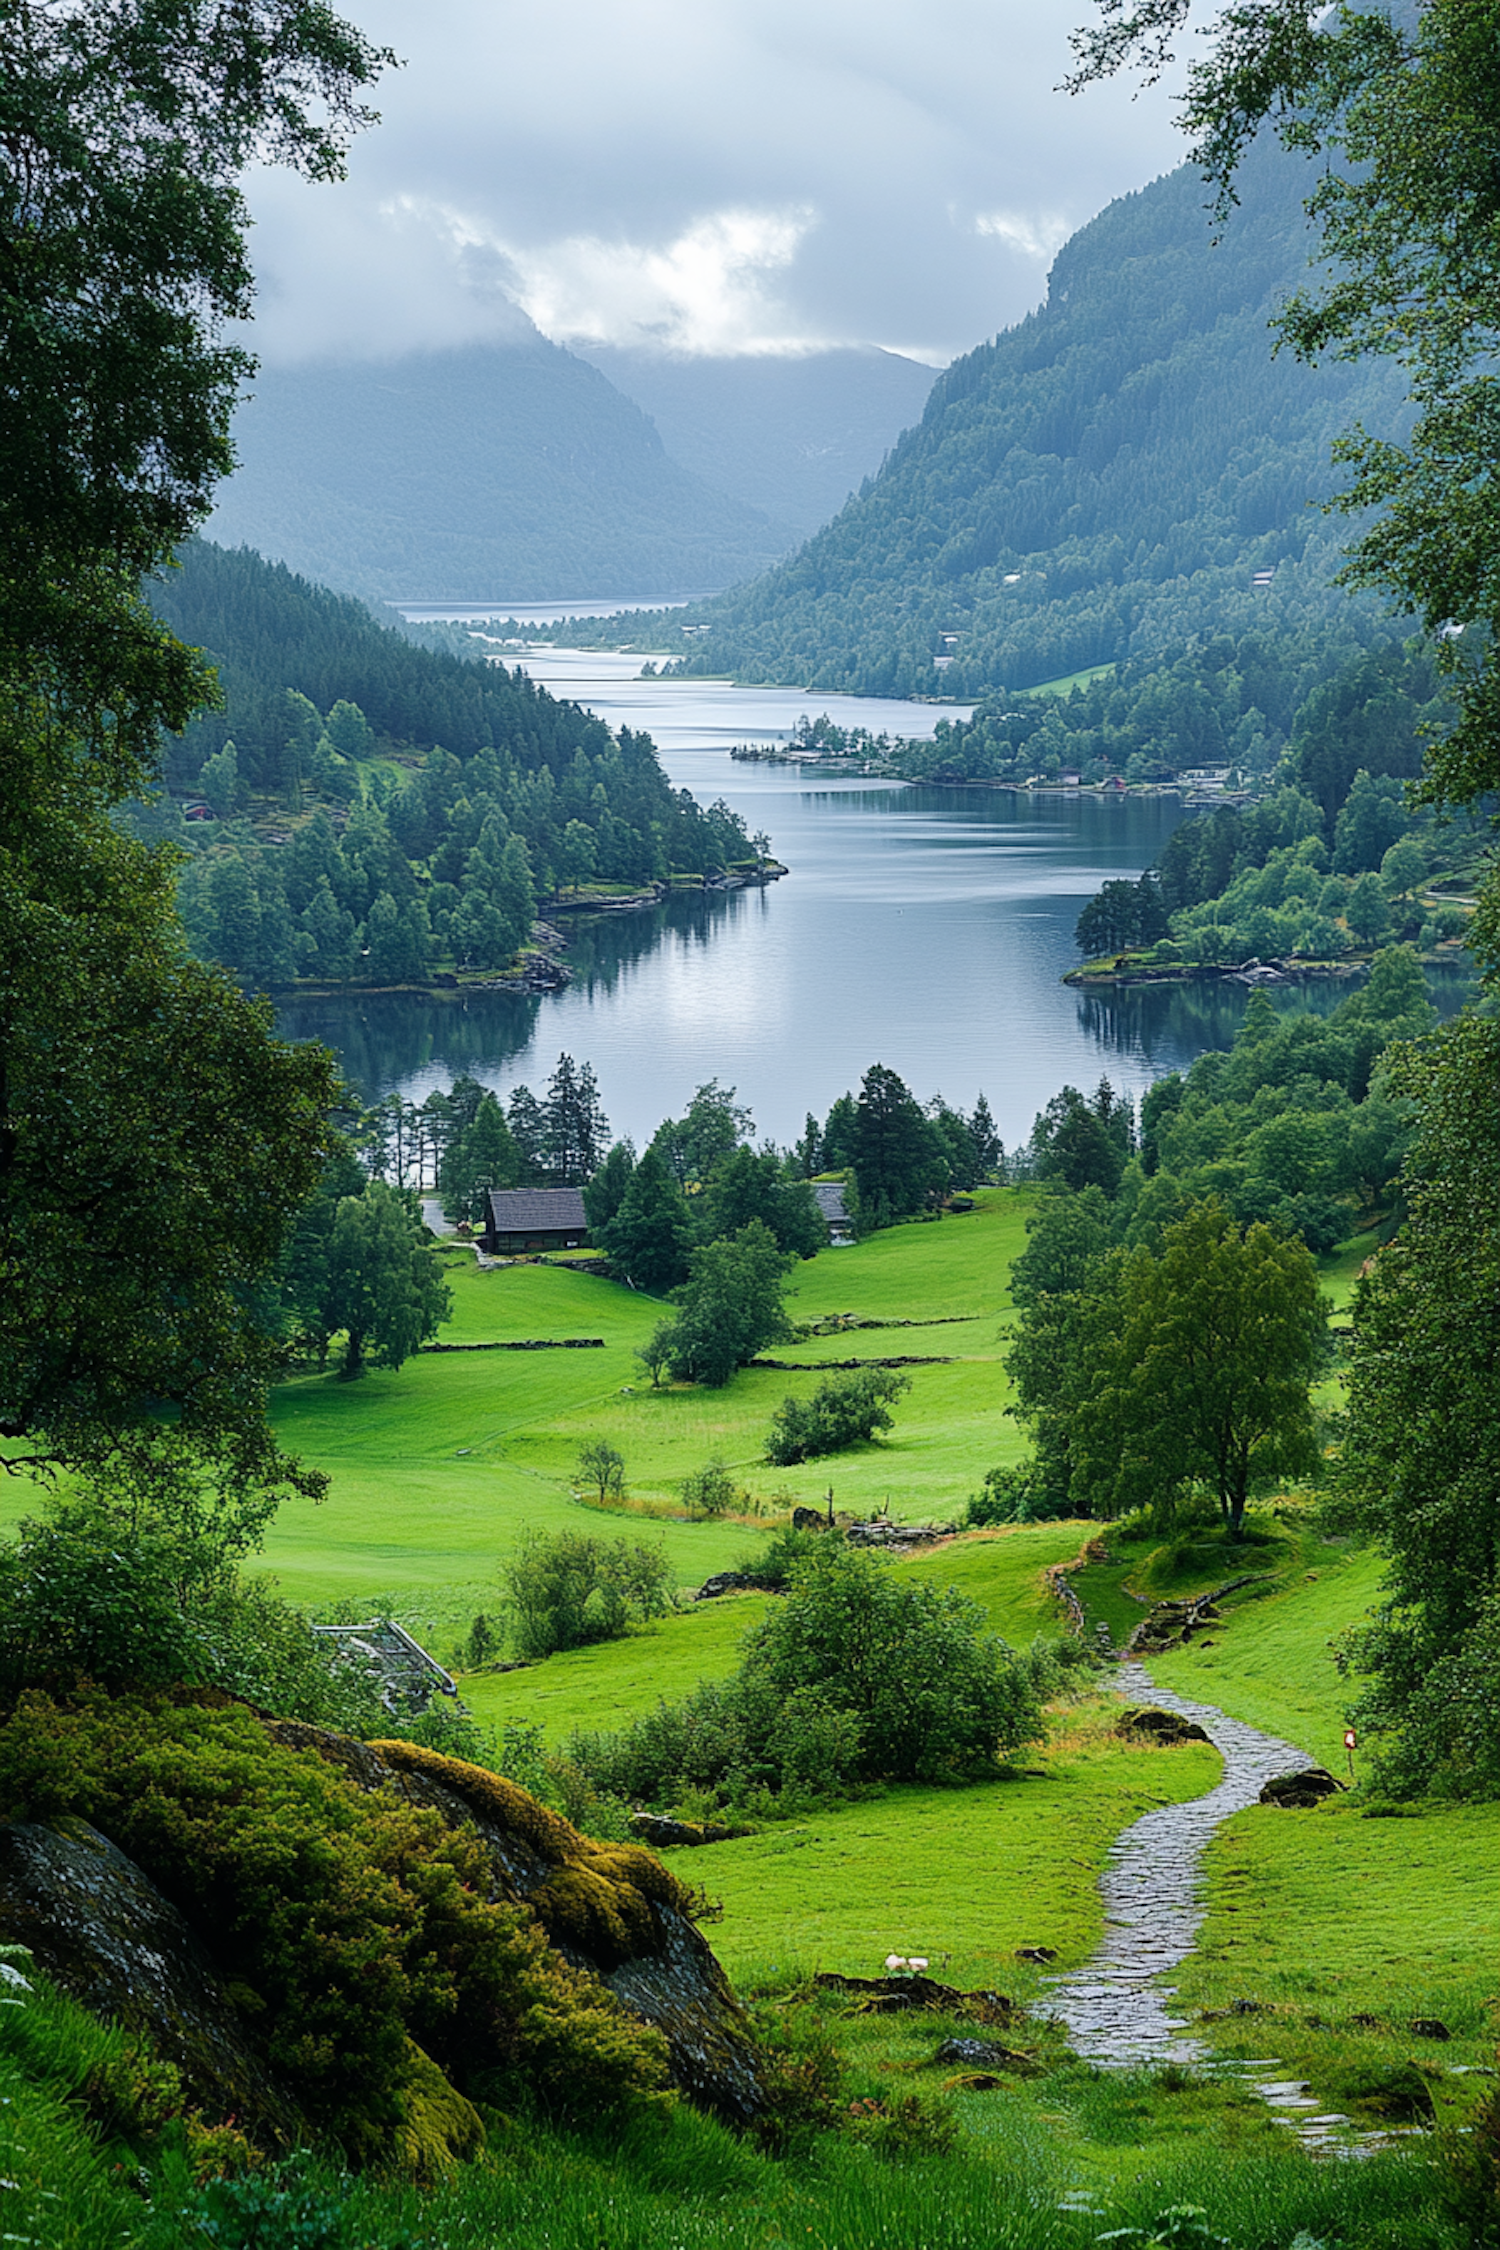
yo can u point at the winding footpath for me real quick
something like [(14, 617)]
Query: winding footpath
[(1115, 2010)]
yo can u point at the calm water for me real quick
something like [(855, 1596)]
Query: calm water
[(926, 929)]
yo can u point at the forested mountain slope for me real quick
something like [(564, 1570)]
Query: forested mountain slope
[(1099, 483), (382, 811), (794, 436), (509, 472)]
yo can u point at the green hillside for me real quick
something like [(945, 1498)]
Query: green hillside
[(510, 470), (1099, 483)]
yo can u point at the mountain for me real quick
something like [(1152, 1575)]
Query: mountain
[(791, 436), (508, 472), (1100, 483)]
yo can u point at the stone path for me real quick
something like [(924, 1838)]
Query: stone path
[(1113, 2007), (1115, 2010)]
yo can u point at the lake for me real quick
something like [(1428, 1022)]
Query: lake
[(926, 929)]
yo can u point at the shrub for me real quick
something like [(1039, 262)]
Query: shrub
[(567, 1590), (711, 1490), (1021, 1493), (934, 1693), (842, 1411), (855, 1676), (86, 1593)]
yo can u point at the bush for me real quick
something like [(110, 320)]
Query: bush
[(856, 1676), (842, 1411), (711, 1490), (1018, 1494), (86, 1594), (567, 1590)]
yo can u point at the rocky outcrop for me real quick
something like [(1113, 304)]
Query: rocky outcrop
[(612, 1909), (1170, 1624), (101, 1931)]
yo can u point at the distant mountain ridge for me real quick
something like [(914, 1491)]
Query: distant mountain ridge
[(1102, 482), (793, 436), (510, 471)]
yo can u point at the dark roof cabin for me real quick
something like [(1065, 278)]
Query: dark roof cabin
[(524, 1220), (829, 1196)]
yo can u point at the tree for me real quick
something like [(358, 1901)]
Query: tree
[(605, 1192), (711, 1490), (747, 1185), (649, 1234), (1419, 1454), (384, 1290), (731, 1304), (1202, 1368), (575, 1126), (157, 1137), (528, 1129), (715, 1125), (483, 1156), (602, 1465), (989, 1149), (1083, 1143), (1401, 108), (127, 133), (897, 1158)]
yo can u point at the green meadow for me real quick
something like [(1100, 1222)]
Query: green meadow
[(437, 1468)]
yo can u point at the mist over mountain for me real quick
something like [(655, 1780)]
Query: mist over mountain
[(792, 436), (1103, 482), (511, 472)]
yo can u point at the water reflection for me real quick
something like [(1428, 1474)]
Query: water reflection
[(928, 929)]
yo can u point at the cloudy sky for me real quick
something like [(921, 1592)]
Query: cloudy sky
[(705, 176)]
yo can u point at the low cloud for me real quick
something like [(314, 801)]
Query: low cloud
[(711, 176)]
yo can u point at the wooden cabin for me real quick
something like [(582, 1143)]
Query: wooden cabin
[(521, 1221)]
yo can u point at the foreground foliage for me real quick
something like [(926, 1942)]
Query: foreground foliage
[(360, 1921), (1424, 1406)]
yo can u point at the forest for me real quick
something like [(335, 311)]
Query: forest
[(381, 811)]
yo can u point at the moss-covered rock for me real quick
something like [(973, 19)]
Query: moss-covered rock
[(99, 1929), (387, 1935)]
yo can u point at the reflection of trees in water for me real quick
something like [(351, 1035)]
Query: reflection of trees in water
[(384, 1038), (1166, 1026)]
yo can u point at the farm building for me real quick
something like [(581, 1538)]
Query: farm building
[(521, 1220), (830, 1201)]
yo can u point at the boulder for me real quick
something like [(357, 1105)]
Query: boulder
[(658, 1830), (1160, 1726), (609, 1908), (987, 2054), (102, 1931), (1036, 1953), (1299, 1792)]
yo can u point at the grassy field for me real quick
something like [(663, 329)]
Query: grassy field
[(438, 1467)]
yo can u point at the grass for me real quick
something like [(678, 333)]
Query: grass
[(963, 1876), (438, 1467)]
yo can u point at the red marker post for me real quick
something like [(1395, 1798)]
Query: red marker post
[(1350, 1739)]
